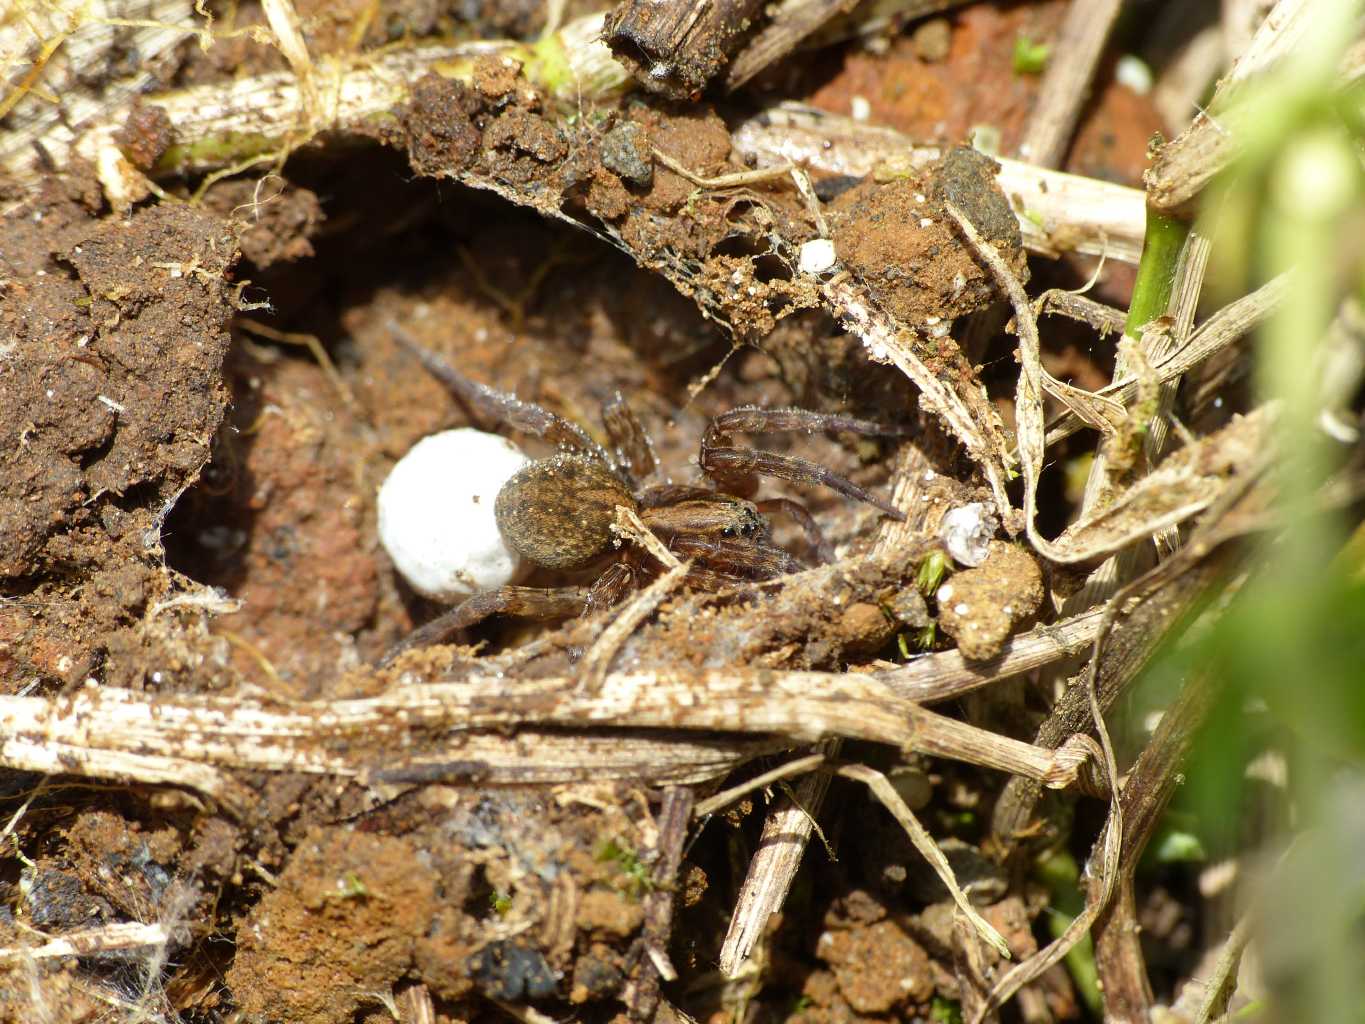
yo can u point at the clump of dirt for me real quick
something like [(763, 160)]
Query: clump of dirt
[(275, 221), (111, 387), (980, 607), (513, 896), (899, 240)]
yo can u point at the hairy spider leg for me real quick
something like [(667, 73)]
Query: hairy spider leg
[(527, 602), (815, 537), (498, 408), (741, 558), (614, 584), (725, 462), (630, 443)]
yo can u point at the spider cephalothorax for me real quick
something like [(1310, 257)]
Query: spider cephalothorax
[(558, 512)]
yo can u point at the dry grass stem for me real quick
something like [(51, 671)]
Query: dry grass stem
[(629, 526), (1029, 393), (107, 938), (1105, 320), (966, 413), (738, 179), (886, 794), (781, 848), (275, 113), (947, 674), (1057, 212), (641, 606), (462, 730), (1077, 49), (1231, 323), (723, 799), (1189, 162)]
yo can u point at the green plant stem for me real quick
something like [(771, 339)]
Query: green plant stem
[(1161, 246)]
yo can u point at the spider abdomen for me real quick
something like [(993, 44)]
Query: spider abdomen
[(558, 512)]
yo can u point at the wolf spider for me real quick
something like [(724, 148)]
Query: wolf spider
[(558, 512)]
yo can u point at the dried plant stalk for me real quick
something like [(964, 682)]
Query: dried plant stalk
[(264, 117), (462, 728), (948, 674), (781, 847), (91, 941), (1189, 162), (1066, 84), (966, 411), (1231, 323)]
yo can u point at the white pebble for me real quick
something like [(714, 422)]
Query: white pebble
[(817, 256), (859, 108), (1134, 73), (967, 531), (436, 514)]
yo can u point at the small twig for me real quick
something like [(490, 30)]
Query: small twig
[(1103, 319), (735, 180), (726, 797), (781, 848), (597, 661), (629, 525), (91, 942), (946, 675)]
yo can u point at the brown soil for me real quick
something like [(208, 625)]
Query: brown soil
[(187, 505)]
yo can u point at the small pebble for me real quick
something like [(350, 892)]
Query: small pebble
[(817, 256), (967, 531)]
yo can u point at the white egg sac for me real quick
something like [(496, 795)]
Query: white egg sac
[(436, 514)]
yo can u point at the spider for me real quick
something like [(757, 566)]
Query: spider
[(557, 512)]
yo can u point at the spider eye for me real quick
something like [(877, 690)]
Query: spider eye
[(747, 521)]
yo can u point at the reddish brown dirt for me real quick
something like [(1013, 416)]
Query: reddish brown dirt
[(944, 97)]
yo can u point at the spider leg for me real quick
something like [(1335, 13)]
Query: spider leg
[(739, 557), (528, 602), (815, 537), (630, 444), (612, 586), (494, 407), (725, 462)]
